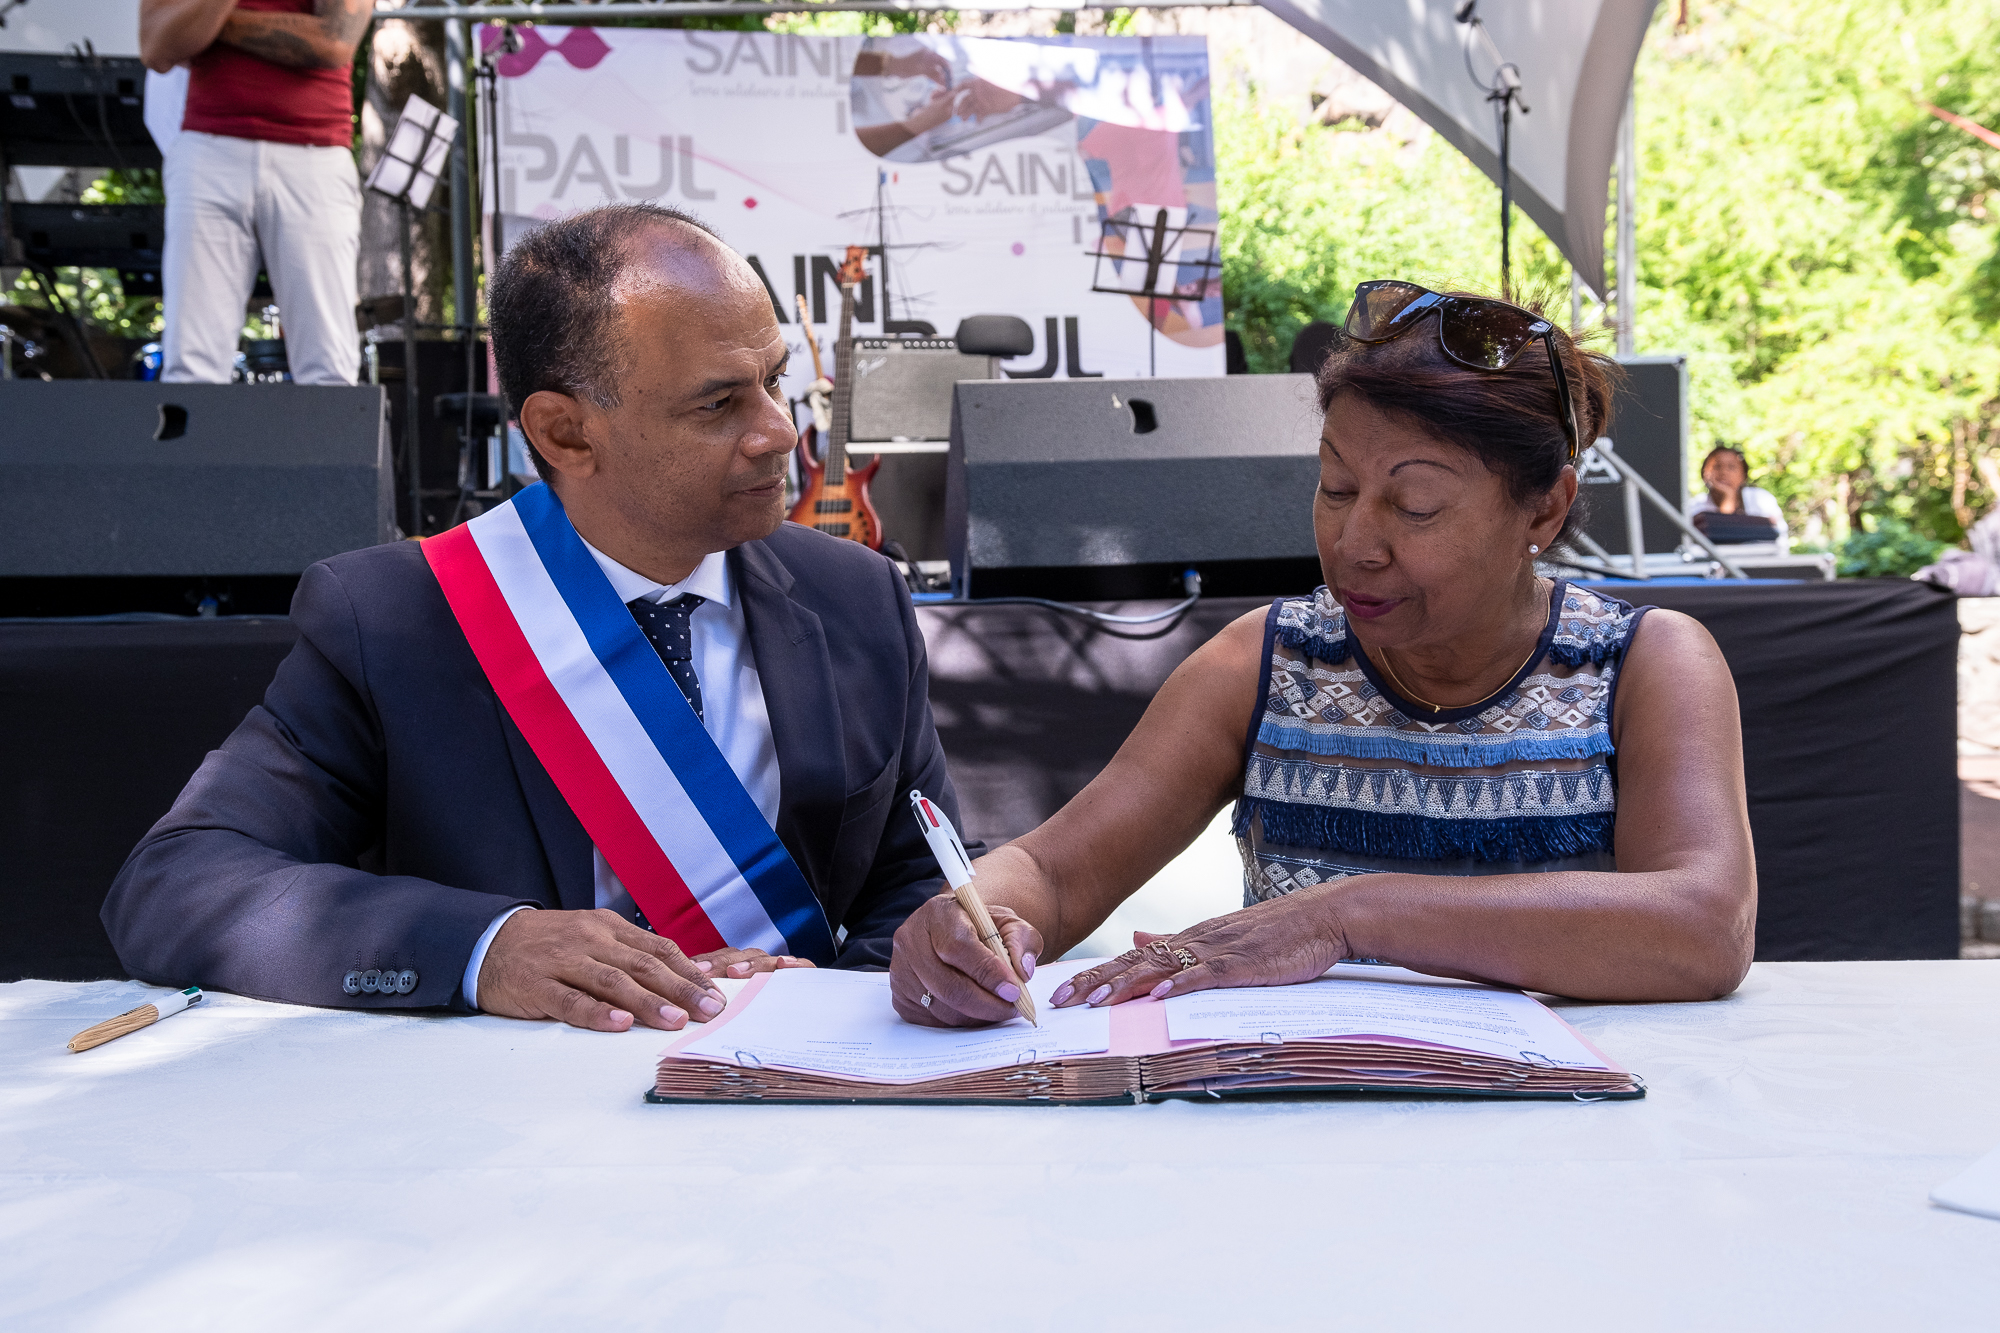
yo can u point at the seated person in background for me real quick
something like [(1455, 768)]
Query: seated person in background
[(1438, 759), (627, 697), (1748, 513)]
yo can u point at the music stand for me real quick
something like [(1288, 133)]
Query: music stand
[(418, 149), (1175, 261)]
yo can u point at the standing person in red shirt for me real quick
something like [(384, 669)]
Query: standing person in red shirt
[(263, 170)]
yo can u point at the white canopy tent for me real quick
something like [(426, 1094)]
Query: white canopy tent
[(1575, 59)]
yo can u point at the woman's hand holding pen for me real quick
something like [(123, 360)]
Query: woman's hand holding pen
[(937, 954)]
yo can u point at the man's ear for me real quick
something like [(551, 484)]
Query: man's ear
[(559, 428)]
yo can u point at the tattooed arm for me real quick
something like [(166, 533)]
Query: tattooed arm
[(323, 39), (174, 31)]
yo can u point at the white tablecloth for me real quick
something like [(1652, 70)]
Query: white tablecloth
[(255, 1166)]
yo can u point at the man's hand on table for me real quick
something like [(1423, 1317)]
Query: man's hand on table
[(597, 970)]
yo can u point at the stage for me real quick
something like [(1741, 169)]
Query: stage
[(1848, 694)]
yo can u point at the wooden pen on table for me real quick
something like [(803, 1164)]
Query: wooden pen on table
[(133, 1019), (958, 872)]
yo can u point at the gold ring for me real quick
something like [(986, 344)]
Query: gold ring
[(1187, 959)]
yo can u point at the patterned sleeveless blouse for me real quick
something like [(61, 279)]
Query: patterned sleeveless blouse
[(1344, 777)]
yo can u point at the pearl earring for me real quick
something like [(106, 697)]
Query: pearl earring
[(1534, 550)]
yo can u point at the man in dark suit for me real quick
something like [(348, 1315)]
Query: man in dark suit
[(373, 835)]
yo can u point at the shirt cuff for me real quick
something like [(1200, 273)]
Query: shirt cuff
[(469, 984)]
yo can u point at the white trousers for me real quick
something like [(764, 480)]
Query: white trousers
[(230, 202)]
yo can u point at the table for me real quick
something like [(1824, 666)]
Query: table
[(256, 1166)]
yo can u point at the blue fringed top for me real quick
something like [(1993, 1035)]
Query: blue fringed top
[(1342, 776)]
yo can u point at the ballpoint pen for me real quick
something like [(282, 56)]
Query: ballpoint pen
[(958, 872), (134, 1019)]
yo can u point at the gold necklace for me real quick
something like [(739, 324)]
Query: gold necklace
[(1410, 694)]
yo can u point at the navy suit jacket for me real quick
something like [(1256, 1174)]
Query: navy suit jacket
[(380, 808)]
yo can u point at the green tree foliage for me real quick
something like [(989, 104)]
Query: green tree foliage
[(1890, 548), (1309, 211), (1823, 246)]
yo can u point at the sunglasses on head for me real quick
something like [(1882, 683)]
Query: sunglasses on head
[(1473, 331)]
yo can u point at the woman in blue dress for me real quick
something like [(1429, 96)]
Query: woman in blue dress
[(1440, 758)]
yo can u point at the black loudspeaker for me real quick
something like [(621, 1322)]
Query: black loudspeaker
[(116, 479), (909, 498), (1649, 430), (902, 387), (1109, 488)]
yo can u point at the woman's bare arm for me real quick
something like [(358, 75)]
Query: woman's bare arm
[(1052, 887), (1180, 765), (1674, 922)]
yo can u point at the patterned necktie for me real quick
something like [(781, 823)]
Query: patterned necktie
[(666, 627)]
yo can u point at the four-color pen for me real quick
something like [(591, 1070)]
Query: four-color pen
[(958, 872), (134, 1019)]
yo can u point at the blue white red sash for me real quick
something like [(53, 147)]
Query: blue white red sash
[(598, 708)]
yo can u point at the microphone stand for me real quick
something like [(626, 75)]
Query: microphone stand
[(1504, 92)]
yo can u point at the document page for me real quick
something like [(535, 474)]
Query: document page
[(1973, 1190), (1470, 1018), (841, 1023)]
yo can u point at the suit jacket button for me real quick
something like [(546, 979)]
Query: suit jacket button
[(371, 981), (351, 983), (406, 981)]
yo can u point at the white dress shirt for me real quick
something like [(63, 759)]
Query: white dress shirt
[(732, 703)]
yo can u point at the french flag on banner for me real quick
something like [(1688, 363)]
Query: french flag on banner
[(598, 708)]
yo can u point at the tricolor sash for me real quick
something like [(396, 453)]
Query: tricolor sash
[(624, 748)]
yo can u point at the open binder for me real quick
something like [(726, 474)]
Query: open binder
[(827, 1036)]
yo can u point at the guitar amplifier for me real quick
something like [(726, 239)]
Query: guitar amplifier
[(902, 387), (1048, 480), (124, 478)]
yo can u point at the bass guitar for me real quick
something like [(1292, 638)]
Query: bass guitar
[(833, 497)]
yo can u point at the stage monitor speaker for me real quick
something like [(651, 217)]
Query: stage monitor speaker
[(902, 387), (1101, 474), (110, 478), (1649, 428)]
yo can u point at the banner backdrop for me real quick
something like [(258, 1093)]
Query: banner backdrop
[(982, 169)]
